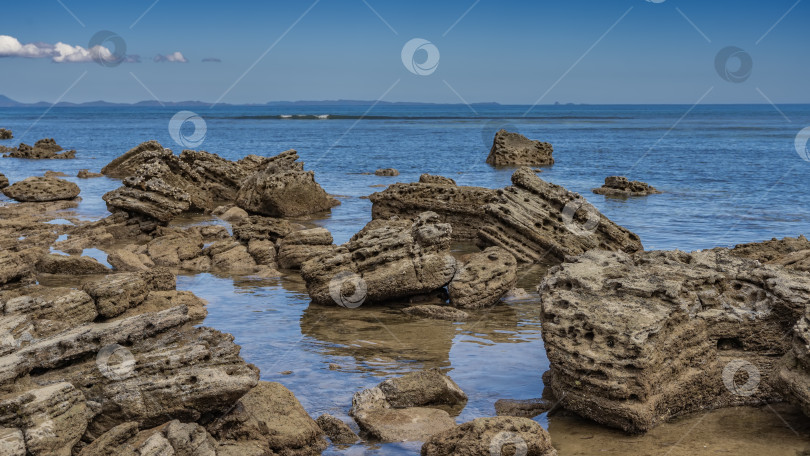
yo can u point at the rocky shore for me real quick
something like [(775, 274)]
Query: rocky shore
[(113, 360)]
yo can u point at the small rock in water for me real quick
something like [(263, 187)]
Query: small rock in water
[(87, 174), (338, 432), (386, 172), (6, 134), (619, 186), (512, 149)]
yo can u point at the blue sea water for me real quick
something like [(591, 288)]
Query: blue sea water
[(730, 174)]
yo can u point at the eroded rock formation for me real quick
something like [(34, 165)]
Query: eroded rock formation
[(385, 260), (483, 279), (42, 149), (491, 436), (636, 339), (281, 188), (39, 189), (510, 149)]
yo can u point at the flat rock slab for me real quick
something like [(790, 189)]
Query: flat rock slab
[(39, 189), (404, 425)]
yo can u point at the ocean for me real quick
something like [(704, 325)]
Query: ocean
[(729, 174)]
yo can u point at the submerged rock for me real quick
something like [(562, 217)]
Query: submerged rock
[(386, 172), (634, 340), (483, 279), (491, 436), (338, 432), (281, 188), (527, 408), (437, 312), (510, 149), (42, 149), (87, 174), (619, 186), (385, 260), (39, 189)]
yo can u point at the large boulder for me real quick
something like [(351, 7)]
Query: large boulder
[(510, 149), (620, 187), (116, 293), (39, 189), (461, 207), (384, 261), (539, 222), (491, 436), (282, 189), (223, 177), (636, 339), (483, 279), (129, 162), (270, 414), (535, 221), (160, 188)]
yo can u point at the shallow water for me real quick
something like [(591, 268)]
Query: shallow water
[(730, 175)]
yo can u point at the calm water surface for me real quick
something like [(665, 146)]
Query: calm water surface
[(730, 174)]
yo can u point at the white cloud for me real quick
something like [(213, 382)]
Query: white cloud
[(11, 47), (59, 52), (173, 57)]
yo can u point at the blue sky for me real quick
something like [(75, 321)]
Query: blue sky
[(581, 51)]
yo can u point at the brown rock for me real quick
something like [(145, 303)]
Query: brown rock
[(385, 260), (461, 207), (338, 432), (541, 222), (42, 149), (527, 408), (404, 425), (632, 338), (485, 436), (509, 149), (483, 279), (792, 253), (116, 293), (261, 228), (3, 181), (433, 179), (437, 312), (6, 134), (619, 186), (280, 192), (270, 414), (64, 264), (386, 172), (87, 174), (38, 189)]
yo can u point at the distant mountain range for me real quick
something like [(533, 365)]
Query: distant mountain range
[(6, 102)]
